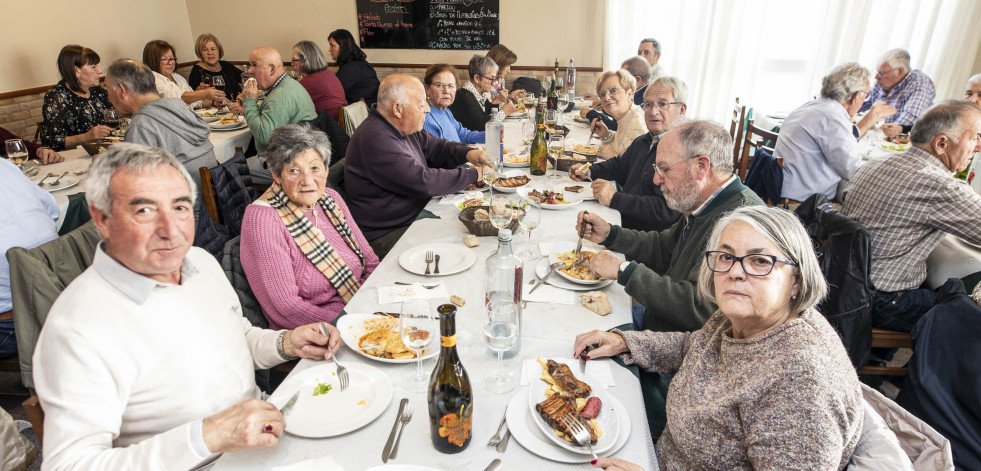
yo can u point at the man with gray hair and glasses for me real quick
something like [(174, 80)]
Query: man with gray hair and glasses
[(159, 122), (909, 202), (910, 91), (818, 142), (640, 201), (145, 358)]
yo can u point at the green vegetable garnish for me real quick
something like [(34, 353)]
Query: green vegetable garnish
[(322, 388)]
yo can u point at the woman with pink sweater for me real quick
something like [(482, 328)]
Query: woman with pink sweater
[(302, 252)]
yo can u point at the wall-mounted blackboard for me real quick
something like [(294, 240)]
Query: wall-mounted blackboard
[(429, 24)]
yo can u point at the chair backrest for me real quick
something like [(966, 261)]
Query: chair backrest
[(335, 178), (231, 264), (352, 115), (208, 197), (764, 176), (37, 131), (234, 191), (335, 132), (736, 127), (37, 277), (753, 134)]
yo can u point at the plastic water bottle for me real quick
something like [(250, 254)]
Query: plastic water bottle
[(504, 276), (494, 139)]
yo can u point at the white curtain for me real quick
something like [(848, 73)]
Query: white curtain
[(772, 53)]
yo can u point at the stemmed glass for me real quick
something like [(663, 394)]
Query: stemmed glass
[(16, 151), (490, 177), (528, 129), (111, 118), (500, 333), (556, 146), (529, 221), (417, 327), (546, 83), (501, 211), (218, 82)]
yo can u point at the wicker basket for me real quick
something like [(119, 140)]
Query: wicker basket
[(96, 146), (567, 161), (482, 229)]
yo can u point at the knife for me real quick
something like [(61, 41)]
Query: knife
[(437, 265), (504, 442), (494, 465), (391, 436), (582, 358), (289, 404), (578, 252), (551, 270)]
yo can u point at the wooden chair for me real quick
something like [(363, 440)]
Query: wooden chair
[(208, 195), (32, 407), (351, 116), (37, 131), (882, 338), (750, 142), (736, 128)]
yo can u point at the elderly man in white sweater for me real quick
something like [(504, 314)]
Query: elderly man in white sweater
[(145, 361)]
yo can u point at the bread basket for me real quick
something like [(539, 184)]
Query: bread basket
[(95, 147), (568, 160), (484, 228)]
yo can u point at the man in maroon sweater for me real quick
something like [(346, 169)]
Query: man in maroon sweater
[(44, 154), (393, 167)]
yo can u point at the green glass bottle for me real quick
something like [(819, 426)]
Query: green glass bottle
[(539, 150), (450, 395)]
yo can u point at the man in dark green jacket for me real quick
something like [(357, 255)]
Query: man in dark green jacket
[(694, 170)]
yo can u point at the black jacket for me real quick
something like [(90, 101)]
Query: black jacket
[(845, 255), (360, 81), (640, 202), (338, 137), (468, 111)]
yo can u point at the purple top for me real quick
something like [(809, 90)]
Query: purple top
[(290, 289), (911, 97), (389, 177)]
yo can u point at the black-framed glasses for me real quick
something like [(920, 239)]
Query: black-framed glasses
[(489, 77), (661, 169), (661, 105), (758, 264), (294, 61)]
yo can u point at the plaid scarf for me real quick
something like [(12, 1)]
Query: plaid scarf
[(312, 242)]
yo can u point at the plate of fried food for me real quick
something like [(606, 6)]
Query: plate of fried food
[(376, 336), (511, 181), (228, 122), (564, 251), (551, 199), (517, 160), (559, 393), (584, 149)]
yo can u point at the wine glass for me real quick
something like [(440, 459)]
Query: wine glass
[(529, 220), (490, 177), (16, 151), (501, 211), (417, 327), (218, 82), (111, 118), (556, 146), (528, 128), (563, 101), (500, 333), (546, 83)]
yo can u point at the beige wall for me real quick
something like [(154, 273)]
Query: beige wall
[(113, 28), (245, 24)]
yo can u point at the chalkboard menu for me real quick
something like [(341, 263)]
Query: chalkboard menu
[(429, 24)]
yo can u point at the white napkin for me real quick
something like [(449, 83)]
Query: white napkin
[(451, 199), (597, 372), (547, 294), (403, 293), (325, 463)]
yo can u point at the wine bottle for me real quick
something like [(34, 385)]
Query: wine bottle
[(450, 396), (553, 95), (539, 151), (504, 274)]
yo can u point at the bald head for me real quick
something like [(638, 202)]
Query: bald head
[(266, 65), (402, 101)]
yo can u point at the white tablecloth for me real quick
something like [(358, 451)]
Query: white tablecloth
[(548, 331)]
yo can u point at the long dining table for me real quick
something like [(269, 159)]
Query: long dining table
[(548, 331)]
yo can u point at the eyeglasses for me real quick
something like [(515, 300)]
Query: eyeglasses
[(444, 86), (612, 91), (662, 169), (489, 77), (759, 264), (165, 60), (881, 73), (294, 61), (661, 105)]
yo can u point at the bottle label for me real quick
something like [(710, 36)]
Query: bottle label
[(448, 341), (456, 427)]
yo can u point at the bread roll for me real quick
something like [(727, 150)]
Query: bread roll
[(597, 302), (471, 240), (481, 215)]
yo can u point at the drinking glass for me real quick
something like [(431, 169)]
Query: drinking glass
[(551, 118), (490, 177), (500, 333), (546, 83), (501, 211), (218, 81), (111, 118), (529, 220), (16, 151), (556, 146), (528, 128), (417, 327), (563, 101)]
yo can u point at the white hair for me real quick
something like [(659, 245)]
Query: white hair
[(974, 79), (896, 58), (844, 81), (137, 158)]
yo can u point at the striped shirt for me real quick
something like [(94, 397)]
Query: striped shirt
[(908, 202), (911, 97)]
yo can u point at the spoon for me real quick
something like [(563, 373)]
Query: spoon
[(431, 285), (555, 266)]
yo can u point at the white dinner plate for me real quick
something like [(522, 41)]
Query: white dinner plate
[(521, 115), (240, 123), (512, 173), (401, 467), (586, 193), (573, 198), (65, 182), (335, 412), (569, 246), (559, 282), (452, 259), (574, 151), (351, 327), (522, 427), (526, 163), (608, 419), (209, 119)]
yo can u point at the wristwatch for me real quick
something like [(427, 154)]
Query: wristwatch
[(623, 266)]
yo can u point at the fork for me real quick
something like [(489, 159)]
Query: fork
[(429, 259), (341, 371), (496, 439), (406, 417), (579, 433), (424, 285)]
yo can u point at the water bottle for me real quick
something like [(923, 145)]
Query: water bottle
[(494, 139), (504, 277), (570, 80)]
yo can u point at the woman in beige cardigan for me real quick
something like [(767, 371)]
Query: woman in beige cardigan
[(616, 93)]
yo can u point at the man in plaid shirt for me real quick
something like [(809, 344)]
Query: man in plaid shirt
[(911, 92), (909, 202)]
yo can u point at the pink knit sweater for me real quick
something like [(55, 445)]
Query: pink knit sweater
[(290, 289)]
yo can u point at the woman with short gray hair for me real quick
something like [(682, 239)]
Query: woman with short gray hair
[(323, 86), (302, 252), (472, 105), (766, 372)]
